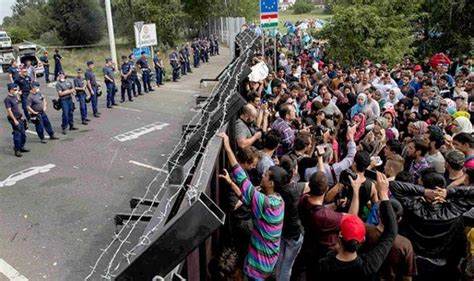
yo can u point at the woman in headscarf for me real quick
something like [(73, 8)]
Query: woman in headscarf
[(390, 115), (360, 121), (360, 105), (462, 125), (418, 128), (394, 95)]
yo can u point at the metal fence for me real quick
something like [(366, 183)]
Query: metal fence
[(183, 213), (226, 29)]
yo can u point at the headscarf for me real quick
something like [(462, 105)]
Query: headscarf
[(357, 108), (464, 125), (462, 114), (422, 126), (382, 121), (361, 128), (398, 95), (451, 109)]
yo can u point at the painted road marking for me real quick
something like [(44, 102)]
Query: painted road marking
[(134, 134), (21, 175), (52, 85), (148, 166), (126, 108), (31, 132), (10, 272)]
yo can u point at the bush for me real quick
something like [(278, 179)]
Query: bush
[(50, 38), (302, 7), (19, 34)]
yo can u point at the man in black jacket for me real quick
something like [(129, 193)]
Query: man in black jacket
[(433, 222), (346, 264)]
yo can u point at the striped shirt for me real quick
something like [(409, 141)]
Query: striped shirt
[(267, 219)]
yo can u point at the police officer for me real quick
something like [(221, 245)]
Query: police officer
[(125, 73), (174, 64), (109, 79), (143, 63), (65, 90), (158, 68), (187, 56), (216, 45), (93, 87), (16, 120), (182, 61), (134, 78), (57, 64), (195, 48), (36, 104), (45, 61), (24, 82), (13, 71), (80, 86)]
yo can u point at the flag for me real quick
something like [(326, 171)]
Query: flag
[(269, 13)]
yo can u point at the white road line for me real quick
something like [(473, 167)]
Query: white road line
[(134, 134), (10, 272), (148, 166), (21, 175), (126, 108), (31, 132)]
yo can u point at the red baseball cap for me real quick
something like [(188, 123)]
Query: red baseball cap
[(352, 228), (417, 67)]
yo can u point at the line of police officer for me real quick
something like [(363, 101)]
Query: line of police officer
[(25, 93)]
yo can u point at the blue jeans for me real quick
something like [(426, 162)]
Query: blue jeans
[(146, 80), (19, 135), (24, 96), (81, 99), (289, 249), (94, 100), (46, 73), (136, 82), (188, 65), (57, 68), (159, 76), (67, 117), (110, 93), (42, 125)]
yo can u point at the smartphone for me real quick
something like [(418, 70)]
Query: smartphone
[(370, 174), (320, 149)]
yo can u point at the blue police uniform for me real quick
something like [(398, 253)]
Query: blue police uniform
[(216, 46), (66, 104), (182, 60), (134, 79), (25, 87), (90, 76), (19, 135), (174, 64), (126, 83), (158, 70), (14, 72), (196, 55), (145, 74), (188, 59), (109, 71), (36, 102), (57, 65), (81, 98), (45, 61)]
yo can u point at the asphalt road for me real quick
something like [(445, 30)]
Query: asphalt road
[(54, 221)]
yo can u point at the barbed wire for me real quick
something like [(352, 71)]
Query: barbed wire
[(191, 192)]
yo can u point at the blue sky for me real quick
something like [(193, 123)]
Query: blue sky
[(5, 9)]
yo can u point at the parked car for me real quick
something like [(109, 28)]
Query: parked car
[(6, 51)]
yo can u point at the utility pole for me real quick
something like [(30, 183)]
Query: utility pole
[(110, 28)]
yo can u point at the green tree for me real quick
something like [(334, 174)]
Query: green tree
[(372, 29), (19, 34), (302, 7), (445, 26), (78, 22)]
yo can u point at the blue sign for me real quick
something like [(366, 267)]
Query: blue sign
[(137, 52), (268, 6)]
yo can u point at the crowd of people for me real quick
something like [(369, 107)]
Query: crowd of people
[(26, 104), (363, 172)]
